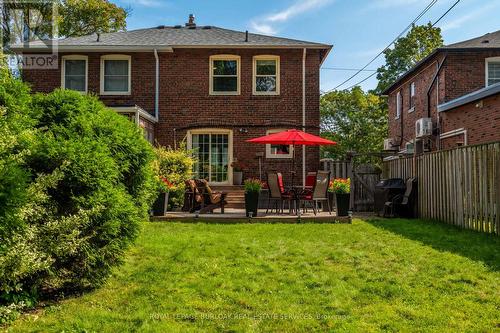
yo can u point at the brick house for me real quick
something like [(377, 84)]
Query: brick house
[(208, 87), (450, 98)]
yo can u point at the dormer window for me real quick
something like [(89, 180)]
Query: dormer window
[(492, 70)]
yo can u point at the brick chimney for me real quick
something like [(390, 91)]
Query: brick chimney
[(190, 22)]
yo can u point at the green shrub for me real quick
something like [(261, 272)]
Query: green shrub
[(173, 167), (253, 185), (80, 181)]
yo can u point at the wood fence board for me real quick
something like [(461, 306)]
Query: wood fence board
[(459, 186)]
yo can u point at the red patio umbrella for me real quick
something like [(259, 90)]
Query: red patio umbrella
[(292, 137)]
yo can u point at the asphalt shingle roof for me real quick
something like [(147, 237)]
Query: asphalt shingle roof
[(181, 36)]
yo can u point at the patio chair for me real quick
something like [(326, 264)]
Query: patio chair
[(402, 205), (211, 199), (319, 192), (192, 197), (310, 179), (277, 192)]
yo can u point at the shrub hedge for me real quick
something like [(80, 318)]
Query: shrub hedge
[(77, 180)]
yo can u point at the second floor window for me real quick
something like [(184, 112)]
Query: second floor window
[(224, 75), (115, 75), (492, 71), (266, 72), (399, 104), (74, 73), (412, 96)]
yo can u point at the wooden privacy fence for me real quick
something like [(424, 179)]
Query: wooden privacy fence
[(459, 186), (363, 180)]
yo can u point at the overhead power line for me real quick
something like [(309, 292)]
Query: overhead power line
[(446, 13), (422, 13), (348, 69), (436, 22)]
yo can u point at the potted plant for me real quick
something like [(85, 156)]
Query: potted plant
[(341, 187), (238, 168), (160, 205), (252, 191)]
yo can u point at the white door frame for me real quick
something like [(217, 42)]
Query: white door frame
[(229, 148)]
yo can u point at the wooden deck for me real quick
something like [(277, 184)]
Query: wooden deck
[(233, 215)]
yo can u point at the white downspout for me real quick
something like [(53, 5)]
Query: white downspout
[(304, 53), (157, 85)]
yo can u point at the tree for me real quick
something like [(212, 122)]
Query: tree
[(355, 119), (75, 18), (79, 18), (407, 51)]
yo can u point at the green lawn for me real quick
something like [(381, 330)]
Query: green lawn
[(390, 275)]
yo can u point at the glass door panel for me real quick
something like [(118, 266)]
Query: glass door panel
[(212, 154)]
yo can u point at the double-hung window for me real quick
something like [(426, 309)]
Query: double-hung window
[(224, 75), (399, 104), (412, 97), (492, 70), (266, 75), (278, 151), (115, 74), (74, 72)]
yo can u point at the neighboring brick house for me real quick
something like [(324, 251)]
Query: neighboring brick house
[(210, 87), (458, 88)]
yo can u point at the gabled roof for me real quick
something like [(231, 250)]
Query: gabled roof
[(486, 42), (165, 37)]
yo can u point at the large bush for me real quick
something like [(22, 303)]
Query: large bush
[(174, 166), (79, 181)]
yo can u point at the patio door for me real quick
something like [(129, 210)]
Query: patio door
[(213, 154)]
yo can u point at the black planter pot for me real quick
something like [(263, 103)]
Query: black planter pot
[(343, 200), (161, 204), (251, 203)]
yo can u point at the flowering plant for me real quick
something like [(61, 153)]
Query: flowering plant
[(340, 186), (253, 185), (238, 166)]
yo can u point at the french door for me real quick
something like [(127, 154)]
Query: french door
[(213, 156)]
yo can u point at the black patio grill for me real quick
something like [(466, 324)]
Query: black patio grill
[(385, 190)]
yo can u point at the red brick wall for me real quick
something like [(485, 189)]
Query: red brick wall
[(482, 122), (185, 102), (462, 73)]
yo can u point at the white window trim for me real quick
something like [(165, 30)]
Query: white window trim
[(116, 57), (238, 74), (277, 156), (486, 63), (399, 106), (413, 94), (63, 69), (254, 76), (189, 140)]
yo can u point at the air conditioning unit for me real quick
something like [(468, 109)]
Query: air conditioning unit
[(390, 144), (410, 148), (423, 127)]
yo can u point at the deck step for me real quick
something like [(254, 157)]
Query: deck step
[(235, 195)]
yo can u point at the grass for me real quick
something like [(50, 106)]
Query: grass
[(390, 275)]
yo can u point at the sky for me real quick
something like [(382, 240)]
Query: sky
[(358, 29)]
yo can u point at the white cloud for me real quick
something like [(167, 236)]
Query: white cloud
[(458, 22), (393, 3), (266, 24)]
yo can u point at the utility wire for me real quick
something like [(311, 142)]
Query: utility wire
[(425, 10), (436, 22), (446, 13), (347, 69)]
